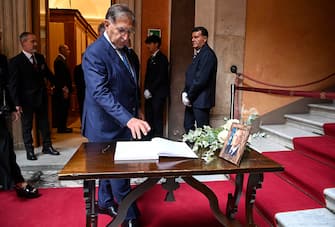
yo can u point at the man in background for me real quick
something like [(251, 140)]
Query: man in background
[(156, 86), (198, 95), (63, 89), (28, 90)]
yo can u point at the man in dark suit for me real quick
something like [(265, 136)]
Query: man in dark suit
[(111, 101), (156, 86), (10, 172), (199, 93), (27, 87), (63, 89)]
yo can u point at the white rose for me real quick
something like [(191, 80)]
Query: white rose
[(230, 122)]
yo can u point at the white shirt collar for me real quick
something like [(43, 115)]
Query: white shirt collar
[(154, 54), (28, 55), (106, 36)]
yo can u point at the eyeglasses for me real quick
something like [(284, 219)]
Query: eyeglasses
[(124, 31)]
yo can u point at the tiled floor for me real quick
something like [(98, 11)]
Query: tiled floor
[(49, 165)]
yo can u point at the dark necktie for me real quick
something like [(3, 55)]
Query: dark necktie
[(34, 62), (126, 62)]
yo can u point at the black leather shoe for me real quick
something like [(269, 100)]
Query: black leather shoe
[(130, 223), (31, 155), (28, 192), (64, 130), (50, 150), (111, 211)]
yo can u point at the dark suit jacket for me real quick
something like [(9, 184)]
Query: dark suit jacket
[(200, 79), (111, 94), (26, 84), (157, 76), (3, 86), (79, 81), (62, 75)]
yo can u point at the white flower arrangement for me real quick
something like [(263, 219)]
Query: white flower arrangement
[(207, 140)]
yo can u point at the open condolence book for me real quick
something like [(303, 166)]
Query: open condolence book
[(152, 150)]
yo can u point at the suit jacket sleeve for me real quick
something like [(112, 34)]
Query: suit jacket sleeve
[(13, 80), (99, 87)]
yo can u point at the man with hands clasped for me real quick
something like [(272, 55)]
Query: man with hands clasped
[(198, 95), (156, 86)]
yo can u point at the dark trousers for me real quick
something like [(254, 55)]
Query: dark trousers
[(9, 170), (154, 115), (61, 111), (41, 113), (117, 189), (195, 117)]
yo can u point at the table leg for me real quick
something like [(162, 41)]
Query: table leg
[(89, 196), (213, 201), (170, 185), (255, 181), (233, 200), (130, 198)]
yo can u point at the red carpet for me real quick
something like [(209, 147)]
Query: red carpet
[(284, 198), (65, 207), (329, 129), (305, 173), (320, 148)]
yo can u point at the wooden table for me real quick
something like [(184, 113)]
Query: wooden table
[(94, 161)]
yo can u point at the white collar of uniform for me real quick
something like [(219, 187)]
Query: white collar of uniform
[(154, 54), (62, 56)]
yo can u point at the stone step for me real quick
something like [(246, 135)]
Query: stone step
[(307, 218), (266, 144), (323, 109), (284, 133), (309, 122), (330, 198)]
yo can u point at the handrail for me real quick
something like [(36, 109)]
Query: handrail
[(233, 69), (312, 94)]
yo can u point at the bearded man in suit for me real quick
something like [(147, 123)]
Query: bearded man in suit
[(111, 103), (27, 73)]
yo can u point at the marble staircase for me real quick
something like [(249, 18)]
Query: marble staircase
[(310, 217), (279, 136)]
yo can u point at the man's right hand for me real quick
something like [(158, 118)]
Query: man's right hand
[(137, 127), (185, 99), (147, 94)]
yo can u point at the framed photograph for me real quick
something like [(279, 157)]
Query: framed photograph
[(234, 145), (154, 31)]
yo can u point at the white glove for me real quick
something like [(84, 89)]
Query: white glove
[(147, 94), (185, 100)]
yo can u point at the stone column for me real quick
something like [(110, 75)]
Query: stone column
[(225, 21)]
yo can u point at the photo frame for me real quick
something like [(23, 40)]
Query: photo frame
[(233, 148), (154, 31)]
